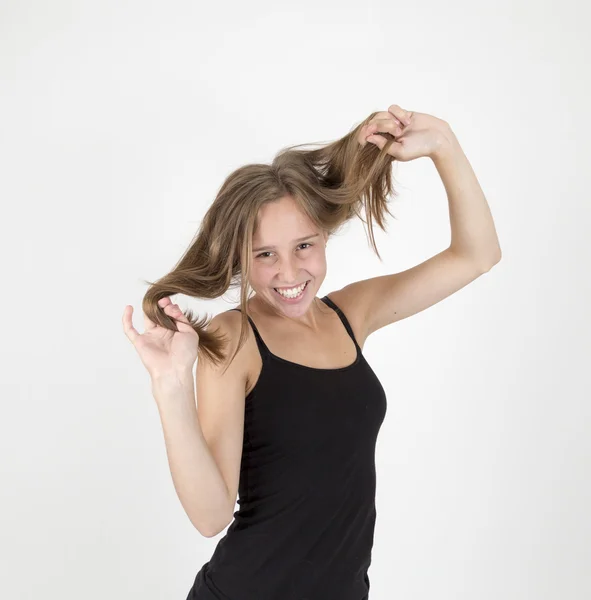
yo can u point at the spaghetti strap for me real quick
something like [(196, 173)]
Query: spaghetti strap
[(342, 316), (265, 352)]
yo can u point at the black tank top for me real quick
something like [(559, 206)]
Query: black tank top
[(305, 526)]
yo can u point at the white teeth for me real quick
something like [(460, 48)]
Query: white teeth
[(293, 292)]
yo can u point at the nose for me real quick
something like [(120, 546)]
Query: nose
[(287, 273)]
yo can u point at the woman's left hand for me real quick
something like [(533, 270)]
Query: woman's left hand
[(415, 134)]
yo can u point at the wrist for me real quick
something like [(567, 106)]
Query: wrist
[(447, 146), (172, 379)]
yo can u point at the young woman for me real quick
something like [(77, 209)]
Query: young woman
[(286, 409)]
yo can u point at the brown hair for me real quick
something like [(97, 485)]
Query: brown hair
[(329, 184)]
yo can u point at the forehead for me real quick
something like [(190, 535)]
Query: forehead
[(279, 219)]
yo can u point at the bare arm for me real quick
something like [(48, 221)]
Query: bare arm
[(198, 481)]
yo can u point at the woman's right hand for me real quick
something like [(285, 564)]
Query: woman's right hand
[(161, 350)]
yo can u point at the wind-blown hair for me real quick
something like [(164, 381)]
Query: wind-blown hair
[(329, 184)]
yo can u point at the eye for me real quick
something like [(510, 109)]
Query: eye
[(261, 255)]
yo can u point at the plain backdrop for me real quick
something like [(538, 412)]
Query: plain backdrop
[(119, 120)]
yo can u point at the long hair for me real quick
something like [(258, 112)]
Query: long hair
[(329, 183)]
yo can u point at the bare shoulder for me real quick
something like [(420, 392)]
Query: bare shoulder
[(348, 302), (245, 362), (228, 324)]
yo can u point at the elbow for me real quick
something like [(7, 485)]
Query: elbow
[(212, 522), (207, 532), (210, 530), (498, 255), (496, 259), (490, 262)]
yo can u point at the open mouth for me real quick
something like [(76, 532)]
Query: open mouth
[(293, 298)]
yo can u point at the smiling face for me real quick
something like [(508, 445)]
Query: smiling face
[(288, 250)]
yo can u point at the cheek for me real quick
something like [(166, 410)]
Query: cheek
[(262, 275), (258, 275), (316, 266), (319, 259), (320, 264)]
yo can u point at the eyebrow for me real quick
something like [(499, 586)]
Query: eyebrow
[(306, 237)]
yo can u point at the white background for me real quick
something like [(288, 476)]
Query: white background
[(118, 122)]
